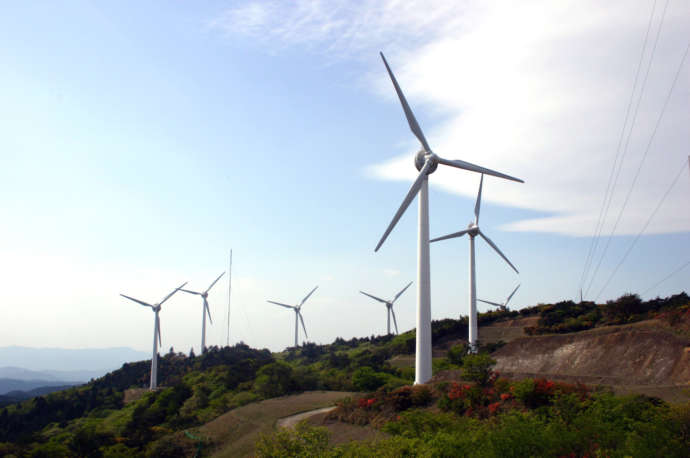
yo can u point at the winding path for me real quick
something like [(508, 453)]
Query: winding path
[(292, 420)]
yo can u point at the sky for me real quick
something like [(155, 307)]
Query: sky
[(141, 142)]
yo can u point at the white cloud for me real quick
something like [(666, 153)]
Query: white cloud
[(535, 89), (390, 273)]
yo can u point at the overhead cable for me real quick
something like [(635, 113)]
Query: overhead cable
[(644, 228), (599, 225)]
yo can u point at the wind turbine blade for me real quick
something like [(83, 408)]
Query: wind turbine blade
[(190, 292), (170, 295), (401, 292), (307, 296), (158, 327), (406, 203), (303, 326), (475, 168), (282, 305), (493, 245), (511, 295), (374, 297), (411, 120), (478, 205), (137, 301), (450, 236), (395, 322), (490, 303), (208, 310), (214, 282)]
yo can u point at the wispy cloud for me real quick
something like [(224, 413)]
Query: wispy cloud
[(391, 272), (535, 89)]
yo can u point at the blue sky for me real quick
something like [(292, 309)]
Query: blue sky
[(141, 142)]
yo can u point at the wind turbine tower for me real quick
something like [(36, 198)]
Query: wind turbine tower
[(473, 230), (298, 314), (156, 332), (426, 162), (205, 310), (389, 306)]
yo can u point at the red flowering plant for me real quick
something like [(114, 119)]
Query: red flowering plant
[(382, 406)]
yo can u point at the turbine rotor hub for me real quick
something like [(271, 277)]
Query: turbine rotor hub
[(422, 156), (473, 229)]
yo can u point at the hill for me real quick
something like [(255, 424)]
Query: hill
[(203, 396), (64, 362)]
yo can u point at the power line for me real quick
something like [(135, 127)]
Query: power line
[(599, 226), (666, 277), (644, 228), (644, 155), (625, 152)]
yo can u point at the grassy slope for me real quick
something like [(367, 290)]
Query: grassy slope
[(235, 433)]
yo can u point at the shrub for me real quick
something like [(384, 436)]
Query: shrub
[(304, 440), (456, 354), (477, 368), (274, 379), (409, 396), (366, 379)]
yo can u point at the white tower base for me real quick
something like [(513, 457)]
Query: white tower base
[(423, 344)]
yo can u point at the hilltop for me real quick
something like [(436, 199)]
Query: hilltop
[(625, 343)]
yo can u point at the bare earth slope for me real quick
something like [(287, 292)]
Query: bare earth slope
[(645, 353)]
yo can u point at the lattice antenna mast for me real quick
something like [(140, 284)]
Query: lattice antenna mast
[(229, 293)]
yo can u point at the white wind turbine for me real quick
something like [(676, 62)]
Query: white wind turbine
[(389, 306), (473, 230), (204, 311), (156, 332), (426, 162), (298, 314), (503, 306)]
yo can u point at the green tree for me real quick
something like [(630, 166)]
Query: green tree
[(274, 379), (367, 379), (478, 368)]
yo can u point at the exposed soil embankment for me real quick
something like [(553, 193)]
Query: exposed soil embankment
[(641, 354)]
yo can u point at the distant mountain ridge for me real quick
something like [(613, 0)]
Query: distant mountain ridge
[(8, 385), (62, 362), (16, 396), (20, 373)]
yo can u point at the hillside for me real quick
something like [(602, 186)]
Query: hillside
[(228, 396)]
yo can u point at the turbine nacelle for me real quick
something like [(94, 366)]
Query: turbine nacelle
[(422, 157), (472, 229)]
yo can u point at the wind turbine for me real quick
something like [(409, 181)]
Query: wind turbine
[(298, 314), (156, 332), (426, 162), (389, 306), (503, 306), (473, 230), (204, 311)]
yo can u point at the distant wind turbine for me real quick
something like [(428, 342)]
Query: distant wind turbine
[(389, 306), (204, 311), (503, 306), (473, 230), (298, 314), (426, 161), (156, 332)]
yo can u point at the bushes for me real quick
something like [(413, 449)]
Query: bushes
[(366, 379), (477, 368), (456, 354), (600, 425), (274, 379), (303, 441)]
